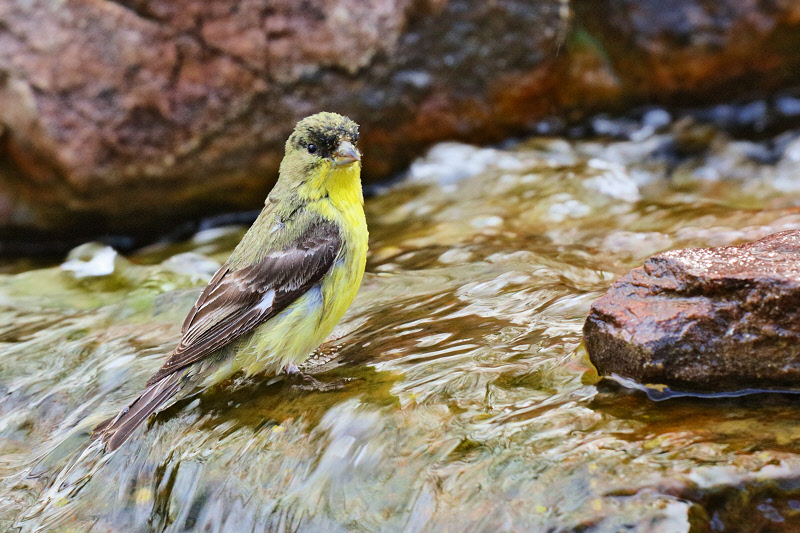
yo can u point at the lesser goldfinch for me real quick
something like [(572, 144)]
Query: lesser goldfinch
[(286, 284)]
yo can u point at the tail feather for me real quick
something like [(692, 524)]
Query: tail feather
[(114, 431)]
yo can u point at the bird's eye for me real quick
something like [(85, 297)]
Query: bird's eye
[(312, 148)]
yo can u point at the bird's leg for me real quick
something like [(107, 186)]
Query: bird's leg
[(293, 372)]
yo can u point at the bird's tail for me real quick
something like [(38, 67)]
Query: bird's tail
[(114, 431)]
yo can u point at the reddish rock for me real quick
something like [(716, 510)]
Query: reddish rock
[(705, 320), (128, 114)]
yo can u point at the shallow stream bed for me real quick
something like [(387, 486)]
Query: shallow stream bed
[(468, 404)]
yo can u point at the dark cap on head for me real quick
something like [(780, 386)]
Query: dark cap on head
[(325, 131)]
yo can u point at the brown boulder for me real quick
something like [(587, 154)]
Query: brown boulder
[(129, 114), (705, 320)]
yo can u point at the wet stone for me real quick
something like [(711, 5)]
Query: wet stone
[(704, 319)]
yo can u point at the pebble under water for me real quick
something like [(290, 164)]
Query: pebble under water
[(465, 401)]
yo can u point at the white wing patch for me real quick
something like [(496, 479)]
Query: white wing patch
[(238, 300), (266, 301)]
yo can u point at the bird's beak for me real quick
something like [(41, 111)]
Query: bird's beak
[(346, 154)]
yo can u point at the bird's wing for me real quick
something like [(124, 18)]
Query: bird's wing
[(235, 302)]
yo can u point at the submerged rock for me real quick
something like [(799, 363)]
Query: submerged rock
[(705, 319)]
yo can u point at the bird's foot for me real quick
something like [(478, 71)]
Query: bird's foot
[(307, 382), (312, 384), (291, 369)]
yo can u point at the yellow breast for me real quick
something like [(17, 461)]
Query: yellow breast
[(291, 335), (345, 205)]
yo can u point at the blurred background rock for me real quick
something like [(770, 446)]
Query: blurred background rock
[(131, 116)]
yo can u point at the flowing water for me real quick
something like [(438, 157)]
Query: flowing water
[(463, 399)]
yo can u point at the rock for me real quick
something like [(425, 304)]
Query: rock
[(130, 115), (97, 267), (705, 320), (93, 260)]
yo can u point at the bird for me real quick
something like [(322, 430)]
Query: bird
[(284, 287)]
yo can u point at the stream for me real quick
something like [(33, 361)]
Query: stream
[(465, 399)]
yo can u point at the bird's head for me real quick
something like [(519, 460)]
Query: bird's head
[(320, 144)]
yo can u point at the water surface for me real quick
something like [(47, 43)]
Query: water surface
[(465, 400)]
